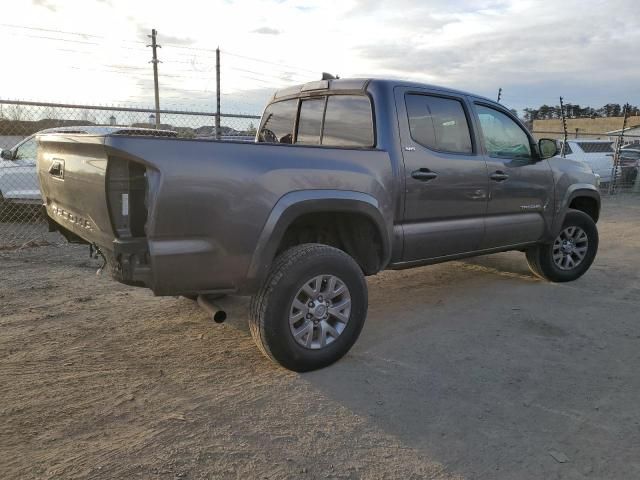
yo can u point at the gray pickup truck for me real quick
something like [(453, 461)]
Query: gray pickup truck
[(346, 178)]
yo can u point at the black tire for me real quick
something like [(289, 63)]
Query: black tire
[(271, 306), (540, 257)]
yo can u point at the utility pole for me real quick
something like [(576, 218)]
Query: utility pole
[(154, 46), (499, 94), (218, 133), (564, 129)]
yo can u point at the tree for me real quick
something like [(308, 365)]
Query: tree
[(545, 112), (531, 114), (616, 110), (15, 113)]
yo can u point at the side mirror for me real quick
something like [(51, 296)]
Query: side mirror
[(547, 148), (6, 154)]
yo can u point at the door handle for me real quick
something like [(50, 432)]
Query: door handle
[(57, 169), (498, 176), (423, 174)]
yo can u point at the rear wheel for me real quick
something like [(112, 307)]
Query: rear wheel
[(311, 309), (571, 253)]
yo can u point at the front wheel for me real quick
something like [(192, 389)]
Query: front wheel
[(571, 253), (311, 308)]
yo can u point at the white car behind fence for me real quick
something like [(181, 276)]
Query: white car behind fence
[(598, 154), (18, 179)]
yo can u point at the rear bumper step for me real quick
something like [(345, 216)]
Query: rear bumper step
[(131, 262)]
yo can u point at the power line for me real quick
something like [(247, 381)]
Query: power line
[(268, 62), (70, 40), (239, 56), (89, 35), (233, 54)]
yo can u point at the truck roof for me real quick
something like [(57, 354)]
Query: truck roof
[(354, 84)]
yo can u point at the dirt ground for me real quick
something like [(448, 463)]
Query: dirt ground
[(471, 369)]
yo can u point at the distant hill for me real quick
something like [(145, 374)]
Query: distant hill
[(27, 127)]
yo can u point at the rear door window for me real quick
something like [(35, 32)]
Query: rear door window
[(277, 122), (310, 121), (348, 122), (438, 123)]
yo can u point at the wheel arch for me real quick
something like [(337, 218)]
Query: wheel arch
[(295, 205), (583, 197)]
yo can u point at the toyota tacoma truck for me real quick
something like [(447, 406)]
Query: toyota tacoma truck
[(346, 178)]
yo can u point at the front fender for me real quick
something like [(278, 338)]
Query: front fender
[(574, 191), (294, 204)]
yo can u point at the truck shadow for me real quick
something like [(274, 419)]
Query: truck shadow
[(481, 366), (485, 369), (510, 265)]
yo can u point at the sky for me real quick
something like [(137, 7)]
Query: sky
[(94, 51)]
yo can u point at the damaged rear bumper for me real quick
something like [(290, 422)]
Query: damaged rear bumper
[(131, 262)]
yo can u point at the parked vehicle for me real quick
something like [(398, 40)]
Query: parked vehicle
[(347, 178), (598, 154), (18, 178), (630, 163)]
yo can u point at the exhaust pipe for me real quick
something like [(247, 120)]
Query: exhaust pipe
[(217, 314)]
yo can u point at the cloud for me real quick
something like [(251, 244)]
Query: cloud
[(175, 40), (144, 31), (266, 31), (45, 4), (533, 53)]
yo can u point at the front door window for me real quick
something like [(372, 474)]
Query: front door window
[(503, 138)]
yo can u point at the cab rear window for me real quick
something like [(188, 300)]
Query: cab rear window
[(334, 120), (348, 122), (310, 121), (277, 122)]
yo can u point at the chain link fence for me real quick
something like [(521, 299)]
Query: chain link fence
[(22, 222), (615, 157)]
